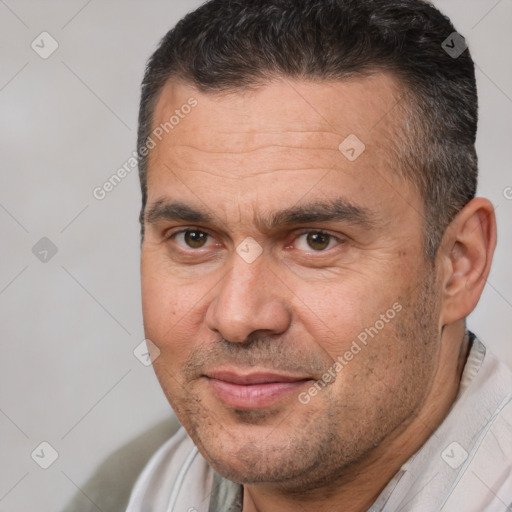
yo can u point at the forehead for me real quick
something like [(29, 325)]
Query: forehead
[(273, 144), (329, 109)]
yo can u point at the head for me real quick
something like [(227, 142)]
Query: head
[(308, 213), (235, 46)]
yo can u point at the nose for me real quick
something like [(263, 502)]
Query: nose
[(249, 298)]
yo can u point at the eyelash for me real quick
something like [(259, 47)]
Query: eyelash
[(300, 233)]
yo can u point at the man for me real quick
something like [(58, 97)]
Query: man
[(311, 248)]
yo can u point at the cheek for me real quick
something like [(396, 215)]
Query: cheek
[(172, 311), (338, 312)]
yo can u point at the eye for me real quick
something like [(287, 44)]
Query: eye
[(190, 238), (316, 241)]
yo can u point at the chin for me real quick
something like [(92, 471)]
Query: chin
[(253, 454)]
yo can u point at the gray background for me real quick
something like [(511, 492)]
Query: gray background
[(70, 324)]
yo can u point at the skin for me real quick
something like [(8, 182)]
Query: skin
[(299, 305)]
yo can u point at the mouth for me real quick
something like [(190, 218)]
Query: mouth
[(255, 390)]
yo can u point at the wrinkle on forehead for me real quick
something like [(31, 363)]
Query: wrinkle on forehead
[(286, 135), (304, 108)]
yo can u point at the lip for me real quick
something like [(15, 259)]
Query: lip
[(255, 390)]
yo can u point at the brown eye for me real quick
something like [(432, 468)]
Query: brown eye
[(191, 238), (315, 240), (318, 241), (195, 239)]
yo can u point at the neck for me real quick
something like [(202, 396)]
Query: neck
[(359, 491)]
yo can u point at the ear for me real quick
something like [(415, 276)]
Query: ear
[(465, 258)]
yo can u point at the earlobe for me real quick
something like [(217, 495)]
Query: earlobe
[(466, 255)]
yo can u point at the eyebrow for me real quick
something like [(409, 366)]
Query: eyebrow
[(334, 210)]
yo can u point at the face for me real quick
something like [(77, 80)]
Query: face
[(284, 281)]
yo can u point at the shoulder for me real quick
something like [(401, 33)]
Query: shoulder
[(484, 481), (176, 475), (467, 462)]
